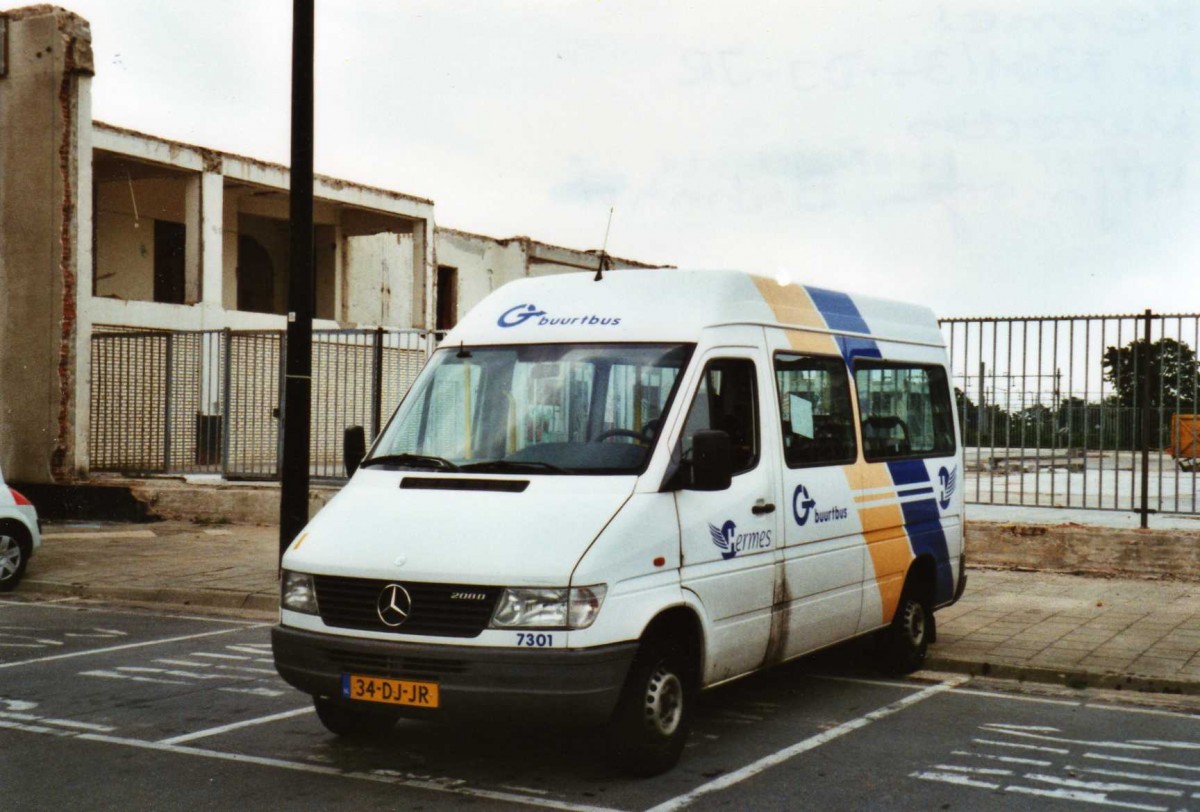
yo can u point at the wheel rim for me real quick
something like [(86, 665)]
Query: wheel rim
[(914, 623), (664, 701), (10, 557)]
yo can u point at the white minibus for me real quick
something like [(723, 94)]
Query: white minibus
[(601, 496)]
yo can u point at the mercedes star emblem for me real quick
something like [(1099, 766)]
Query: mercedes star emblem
[(394, 605)]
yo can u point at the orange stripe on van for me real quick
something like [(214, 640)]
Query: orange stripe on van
[(883, 531), (792, 306)]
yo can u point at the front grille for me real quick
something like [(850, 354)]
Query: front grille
[(394, 666), (350, 603)]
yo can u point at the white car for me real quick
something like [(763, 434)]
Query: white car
[(20, 535)]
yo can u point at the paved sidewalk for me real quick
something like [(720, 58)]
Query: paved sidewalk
[(1073, 630)]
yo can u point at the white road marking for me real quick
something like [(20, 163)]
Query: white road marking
[(1144, 762), (1018, 746), (71, 723), (215, 656), (972, 770), (763, 764), (1102, 786), (1029, 728), (1170, 745), (142, 669), (954, 778), (1061, 740), (217, 731), (184, 663), (317, 769), (1162, 779), (1029, 762), (1001, 695), (255, 650), (128, 646), (253, 691), (131, 677), (1078, 795), (1147, 711), (34, 728)]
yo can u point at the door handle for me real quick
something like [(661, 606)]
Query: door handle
[(762, 508)]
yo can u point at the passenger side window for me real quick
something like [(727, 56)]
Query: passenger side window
[(905, 411), (814, 404), (727, 400)]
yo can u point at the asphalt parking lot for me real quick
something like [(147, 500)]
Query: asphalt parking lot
[(145, 709)]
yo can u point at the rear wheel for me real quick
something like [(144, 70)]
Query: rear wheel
[(654, 714), (14, 557), (906, 641), (352, 720)]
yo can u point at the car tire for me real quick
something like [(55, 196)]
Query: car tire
[(351, 721), (14, 556), (653, 716), (906, 640)]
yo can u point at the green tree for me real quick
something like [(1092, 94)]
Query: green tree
[(1171, 366)]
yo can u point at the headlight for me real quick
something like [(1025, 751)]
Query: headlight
[(540, 608), (298, 592)]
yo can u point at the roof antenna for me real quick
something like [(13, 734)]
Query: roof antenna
[(604, 265)]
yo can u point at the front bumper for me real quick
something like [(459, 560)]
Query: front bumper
[(576, 685)]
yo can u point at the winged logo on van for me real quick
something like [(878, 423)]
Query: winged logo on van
[(730, 542), (723, 537), (947, 481)]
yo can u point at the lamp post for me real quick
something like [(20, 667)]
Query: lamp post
[(293, 503)]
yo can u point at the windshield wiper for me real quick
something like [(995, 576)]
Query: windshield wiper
[(410, 461), (499, 466)]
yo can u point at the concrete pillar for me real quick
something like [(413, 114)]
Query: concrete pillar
[(209, 228), (45, 253)]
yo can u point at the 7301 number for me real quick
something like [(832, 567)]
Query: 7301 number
[(535, 640)]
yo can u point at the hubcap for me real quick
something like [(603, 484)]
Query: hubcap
[(915, 623), (10, 557), (664, 701)]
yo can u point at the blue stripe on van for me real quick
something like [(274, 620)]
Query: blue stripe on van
[(923, 523), (840, 313)]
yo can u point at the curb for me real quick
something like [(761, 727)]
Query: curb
[(207, 598), (1078, 678)]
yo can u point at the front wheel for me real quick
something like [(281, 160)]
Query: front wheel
[(906, 641), (350, 720), (654, 714)]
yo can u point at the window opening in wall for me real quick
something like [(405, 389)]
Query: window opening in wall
[(169, 240), (447, 297), (255, 277)]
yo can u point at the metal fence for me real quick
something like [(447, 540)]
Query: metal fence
[(1095, 412), (1098, 412), (210, 401)]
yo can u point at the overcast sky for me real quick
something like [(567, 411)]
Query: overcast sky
[(987, 158)]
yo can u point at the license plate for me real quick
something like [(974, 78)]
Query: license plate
[(390, 691)]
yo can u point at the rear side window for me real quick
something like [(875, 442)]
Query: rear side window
[(905, 410), (814, 405)]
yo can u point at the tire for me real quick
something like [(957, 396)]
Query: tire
[(906, 640), (351, 721), (14, 557), (653, 716)]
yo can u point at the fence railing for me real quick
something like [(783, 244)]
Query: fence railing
[(210, 401), (1099, 412), (1095, 412)]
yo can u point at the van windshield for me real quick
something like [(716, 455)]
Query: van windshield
[(537, 408)]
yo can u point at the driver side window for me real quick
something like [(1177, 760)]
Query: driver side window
[(727, 400)]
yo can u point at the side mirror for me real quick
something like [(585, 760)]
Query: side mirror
[(354, 448), (712, 461)]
